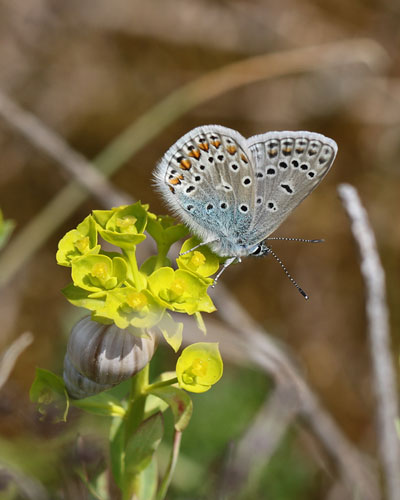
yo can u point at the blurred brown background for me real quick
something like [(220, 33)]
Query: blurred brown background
[(89, 69)]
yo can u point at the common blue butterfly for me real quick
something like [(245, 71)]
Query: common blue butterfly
[(234, 192)]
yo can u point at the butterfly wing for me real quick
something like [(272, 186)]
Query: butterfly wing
[(288, 166), (207, 178)]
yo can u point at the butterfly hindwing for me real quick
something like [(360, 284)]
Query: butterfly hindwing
[(288, 166)]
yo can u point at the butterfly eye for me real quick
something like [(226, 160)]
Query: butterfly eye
[(258, 250)]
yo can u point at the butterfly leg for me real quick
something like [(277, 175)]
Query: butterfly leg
[(227, 263), (197, 246)]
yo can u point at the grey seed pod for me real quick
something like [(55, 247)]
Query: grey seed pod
[(101, 356)]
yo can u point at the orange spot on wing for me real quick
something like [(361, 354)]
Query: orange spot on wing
[(216, 144), (185, 164), (180, 177), (195, 154), (204, 146), (174, 181), (172, 189), (232, 150), (243, 157), (287, 150)]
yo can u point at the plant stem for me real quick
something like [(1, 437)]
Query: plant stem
[(137, 278), (162, 491), (162, 251), (164, 383), (133, 418), (137, 399)]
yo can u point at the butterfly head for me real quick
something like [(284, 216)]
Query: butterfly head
[(259, 250), (238, 247)]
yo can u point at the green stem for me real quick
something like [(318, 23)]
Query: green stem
[(137, 278), (162, 251), (137, 399), (162, 491), (164, 383), (133, 418)]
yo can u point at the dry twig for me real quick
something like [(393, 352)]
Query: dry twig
[(11, 355), (38, 134), (379, 338)]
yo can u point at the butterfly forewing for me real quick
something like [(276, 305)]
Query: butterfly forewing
[(288, 166), (208, 177)]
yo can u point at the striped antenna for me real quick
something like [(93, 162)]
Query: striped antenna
[(303, 293)]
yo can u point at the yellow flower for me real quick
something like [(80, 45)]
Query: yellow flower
[(199, 366)]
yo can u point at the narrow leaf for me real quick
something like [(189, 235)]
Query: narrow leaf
[(172, 331), (148, 481), (101, 404), (180, 403), (142, 444)]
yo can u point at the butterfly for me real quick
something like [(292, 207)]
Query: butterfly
[(234, 192)]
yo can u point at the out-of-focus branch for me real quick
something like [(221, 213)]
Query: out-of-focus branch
[(11, 355), (379, 338), (27, 487), (38, 134), (260, 441)]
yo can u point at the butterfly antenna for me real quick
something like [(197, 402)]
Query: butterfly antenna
[(302, 240), (303, 293)]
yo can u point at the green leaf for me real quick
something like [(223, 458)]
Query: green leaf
[(200, 322), (83, 298), (101, 217), (101, 404), (148, 480), (154, 405), (141, 445), (164, 230), (179, 401), (171, 331), (121, 240), (48, 392)]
